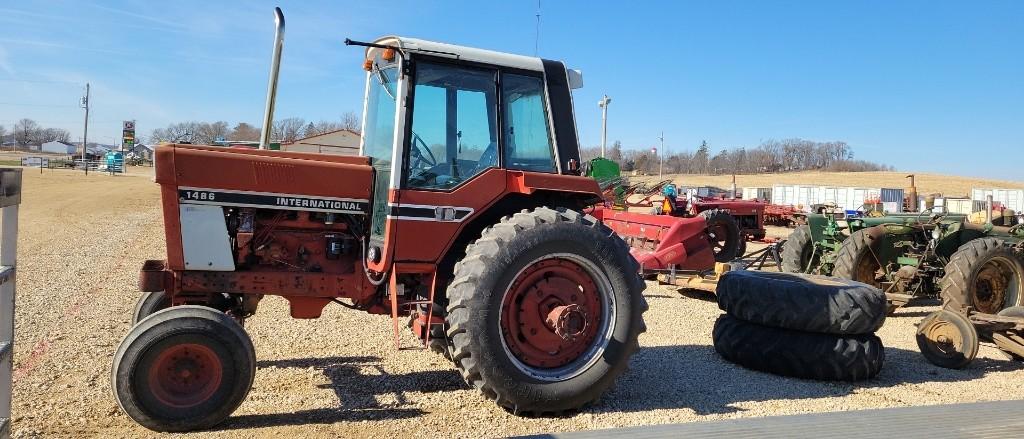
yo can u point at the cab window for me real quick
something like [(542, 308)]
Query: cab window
[(454, 126), (527, 137)]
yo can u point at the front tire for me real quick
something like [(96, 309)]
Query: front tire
[(150, 303), (182, 369), (545, 311), (798, 252), (985, 275)]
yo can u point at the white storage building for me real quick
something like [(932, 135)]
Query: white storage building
[(1011, 198), (58, 148)]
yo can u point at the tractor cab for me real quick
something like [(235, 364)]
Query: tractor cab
[(469, 120)]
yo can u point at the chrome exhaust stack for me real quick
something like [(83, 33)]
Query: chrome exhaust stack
[(275, 68)]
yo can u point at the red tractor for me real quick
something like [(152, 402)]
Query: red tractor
[(465, 210)]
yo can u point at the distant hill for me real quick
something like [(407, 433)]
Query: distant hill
[(947, 185)]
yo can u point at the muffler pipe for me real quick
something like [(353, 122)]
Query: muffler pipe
[(275, 68)]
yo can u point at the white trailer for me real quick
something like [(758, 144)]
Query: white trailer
[(1011, 198)]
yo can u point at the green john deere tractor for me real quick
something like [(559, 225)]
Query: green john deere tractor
[(813, 247), (973, 265)]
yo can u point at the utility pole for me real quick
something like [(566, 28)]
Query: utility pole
[(603, 103), (85, 132), (661, 165)]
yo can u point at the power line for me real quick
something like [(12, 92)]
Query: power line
[(36, 81), (21, 104)]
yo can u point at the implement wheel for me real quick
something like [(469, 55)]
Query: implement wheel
[(723, 233), (947, 339), (985, 275), (184, 368), (545, 311)]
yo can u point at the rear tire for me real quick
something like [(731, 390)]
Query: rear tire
[(184, 368), (802, 302), (723, 233), (545, 311), (985, 275), (798, 251), (798, 354), (855, 261)]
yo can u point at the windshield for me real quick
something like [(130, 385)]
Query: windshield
[(378, 141)]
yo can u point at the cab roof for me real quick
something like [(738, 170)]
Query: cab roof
[(433, 48)]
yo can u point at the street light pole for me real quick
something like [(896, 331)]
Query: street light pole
[(603, 103), (661, 166), (85, 131)]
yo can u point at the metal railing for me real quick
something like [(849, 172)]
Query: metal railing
[(10, 198)]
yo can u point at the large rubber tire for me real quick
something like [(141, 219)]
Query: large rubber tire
[(154, 301), (724, 234), (802, 302), (150, 303), (969, 279), (798, 354), (855, 261), (798, 251), (497, 265), (156, 399)]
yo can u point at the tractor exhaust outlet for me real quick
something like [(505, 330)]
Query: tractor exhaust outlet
[(275, 68)]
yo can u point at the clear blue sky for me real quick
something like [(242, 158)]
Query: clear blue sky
[(922, 85)]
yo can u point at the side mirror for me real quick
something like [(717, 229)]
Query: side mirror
[(575, 79)]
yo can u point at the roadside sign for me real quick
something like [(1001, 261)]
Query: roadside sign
[(128, 135), (35, 161)]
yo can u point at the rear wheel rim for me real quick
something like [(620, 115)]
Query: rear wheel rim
[(868, 271), (557, 317), (185, 375), (996, 286)]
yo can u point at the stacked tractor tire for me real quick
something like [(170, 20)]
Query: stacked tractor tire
[(799, 325)]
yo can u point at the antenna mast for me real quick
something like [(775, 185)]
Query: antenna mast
[(536, 39)]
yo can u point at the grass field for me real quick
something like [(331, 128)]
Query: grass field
[(947, 185)]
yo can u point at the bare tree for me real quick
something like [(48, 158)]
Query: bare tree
[(350, 121), (3, 134), (25, 132), (244, 132), (53, 135), (208, 133), (287, 130)]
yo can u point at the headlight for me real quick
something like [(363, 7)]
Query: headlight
[(936, 233)]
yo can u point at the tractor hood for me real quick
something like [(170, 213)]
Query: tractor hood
[(262, 178)]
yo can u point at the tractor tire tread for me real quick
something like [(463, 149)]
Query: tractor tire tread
[(802, 302), (797, 354)]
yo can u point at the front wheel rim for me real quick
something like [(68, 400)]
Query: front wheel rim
[(185, 375), (557, 317)]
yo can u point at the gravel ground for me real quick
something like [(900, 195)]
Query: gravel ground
[(83, 239)]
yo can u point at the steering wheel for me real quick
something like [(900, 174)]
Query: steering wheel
[(417, 158)]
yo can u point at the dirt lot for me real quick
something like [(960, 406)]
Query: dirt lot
[(83, 239)]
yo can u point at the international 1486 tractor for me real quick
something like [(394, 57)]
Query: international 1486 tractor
[(464, 210)]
